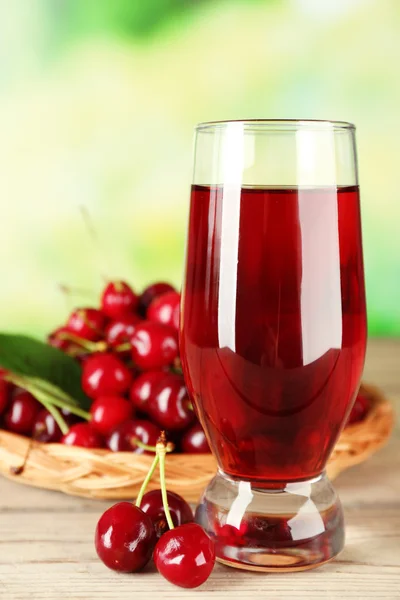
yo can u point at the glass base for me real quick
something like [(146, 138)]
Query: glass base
[(288, 527)]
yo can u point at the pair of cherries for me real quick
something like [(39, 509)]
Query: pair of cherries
[(127, 537), (161, 525)]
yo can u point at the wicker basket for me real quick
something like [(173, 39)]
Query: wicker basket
[(108, 475)]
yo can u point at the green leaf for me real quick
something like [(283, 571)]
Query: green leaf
[(26, 356)]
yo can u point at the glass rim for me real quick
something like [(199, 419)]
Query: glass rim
[(279, 124)]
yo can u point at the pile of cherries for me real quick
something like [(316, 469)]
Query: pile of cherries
[(129, 352), (159, 524)]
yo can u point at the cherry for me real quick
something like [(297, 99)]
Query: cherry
[(84, 435), (194, 441), (22, 413), (152, 505), (360, 409), (118, 300), (268, 530), (185, 555), (165, 309), (120, 331), (45, 428), (69, 417), (105, 374), (154, 345), (123, 437), (125, 538), (170, 406), (151, 292), (142, 388), (108, 412), (86, 323), (229, 535), (5, 394)]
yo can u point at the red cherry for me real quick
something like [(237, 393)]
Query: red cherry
[(120, 331), (194, 441), (84, 435), (170, 406), (108, 412), (142, 388), (123, 437), (165, 309), (104, 374), (185, 555), (69, 417), (360, 409), (125, 538), (22, 413), (151, 292), (180, 510), (86, 323), (118, 300), (45, 428), (229, 535), (154, 345), (261, 530), (5, 394)]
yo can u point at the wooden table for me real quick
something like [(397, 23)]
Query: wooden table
[(46, 538)]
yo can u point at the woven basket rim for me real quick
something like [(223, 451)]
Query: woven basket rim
[(101, 473)]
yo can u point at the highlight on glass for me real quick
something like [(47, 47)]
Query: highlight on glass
[(273, 331)]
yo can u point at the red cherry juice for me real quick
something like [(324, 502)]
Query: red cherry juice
[(273, 326)]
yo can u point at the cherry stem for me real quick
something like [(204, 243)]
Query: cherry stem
[(146, 481), (51, 397), (55, 413), (118, 286), (85, 344), (177, 366), (135, 441), (90, 228), (58, 398), (123, 347), (43, 398), (161, 448), (52, 390), (19, 470), (75, 410), (77, 291)]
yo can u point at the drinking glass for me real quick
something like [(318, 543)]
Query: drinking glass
[(273, 331)]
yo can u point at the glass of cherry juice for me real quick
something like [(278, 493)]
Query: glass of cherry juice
[(273, 332)]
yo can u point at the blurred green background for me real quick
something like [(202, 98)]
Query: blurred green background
[(98, 100)]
